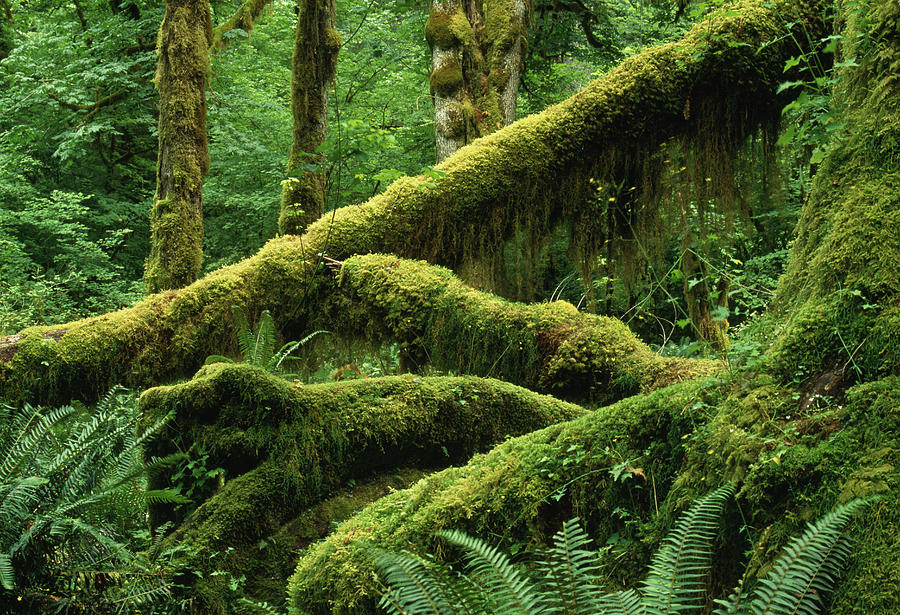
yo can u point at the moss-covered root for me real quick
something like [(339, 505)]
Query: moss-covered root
[(176, 222), (683, 439), (316, 46), (841, 292), (523, 488), (284, 447), (550, 347)]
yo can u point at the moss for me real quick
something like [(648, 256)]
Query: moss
[(284, 447), (791, 467), (439, 321), (841, 292), (243, 18), (176, 223), (522, 488), (530, 174), (448, 29), (314, 61), (446, 79)]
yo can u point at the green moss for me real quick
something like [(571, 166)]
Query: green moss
[(531, 174), (522, 488), (791, 467), (314, 61), (549, 347), (446, 30), (446, 79), (176, 223), (284, 447)]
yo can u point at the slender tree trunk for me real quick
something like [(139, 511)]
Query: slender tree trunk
[(316, 46), (477, 55), (176, 220)]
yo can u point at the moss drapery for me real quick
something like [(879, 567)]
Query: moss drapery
[(533, 171)]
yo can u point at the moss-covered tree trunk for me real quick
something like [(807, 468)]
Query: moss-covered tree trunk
[(316, 46), (176, 218), (477, 54)]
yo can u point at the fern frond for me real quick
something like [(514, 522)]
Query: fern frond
[(285, 351), (505, 584), (675, 582), (245, 336), (568, 570), (626, 602), (808, 568), (264, 347), (7, 576), (417, 588)]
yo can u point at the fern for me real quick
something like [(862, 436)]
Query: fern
[(64, 477), (808, 568), (564, 582), (257, 344)]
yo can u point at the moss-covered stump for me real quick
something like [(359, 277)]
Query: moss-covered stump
[(791, 467), (533, 171), (548, 347), (284, 447)]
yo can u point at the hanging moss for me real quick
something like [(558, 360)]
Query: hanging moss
[(285, 446), (243, 19), (316, 47), (176, 218), (530, 174)]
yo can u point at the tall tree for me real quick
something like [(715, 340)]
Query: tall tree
[(477, 58), (176, 217), (316, 46)]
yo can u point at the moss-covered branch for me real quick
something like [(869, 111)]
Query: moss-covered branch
[(533, 171), (626, 469), (243, 18), (284, 446), (549, 347)]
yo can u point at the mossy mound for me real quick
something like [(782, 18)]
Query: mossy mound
[(284, 446), (522, 489), (791, 468)]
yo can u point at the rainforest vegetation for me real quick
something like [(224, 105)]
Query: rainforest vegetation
[(450, 306)]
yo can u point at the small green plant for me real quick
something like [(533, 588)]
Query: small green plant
[(563, 577), (257, 344)]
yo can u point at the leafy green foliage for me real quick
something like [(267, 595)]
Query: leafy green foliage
[(563, 580), (72, 484)]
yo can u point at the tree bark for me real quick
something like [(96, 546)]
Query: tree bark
[(176, 218), (316, 46), (477, 57)]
